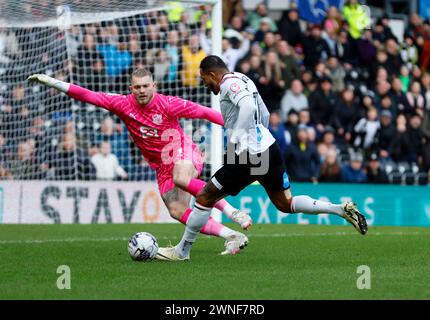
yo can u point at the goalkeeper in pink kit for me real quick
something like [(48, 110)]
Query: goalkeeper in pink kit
[(152, 121)]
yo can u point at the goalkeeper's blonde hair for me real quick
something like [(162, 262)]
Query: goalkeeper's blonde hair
[(142, 72)]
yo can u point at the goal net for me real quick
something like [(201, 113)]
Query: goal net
[(96, 44)]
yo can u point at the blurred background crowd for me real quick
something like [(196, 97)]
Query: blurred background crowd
[(349, 100)]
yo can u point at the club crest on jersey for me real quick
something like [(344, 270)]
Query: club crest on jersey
[(157, 118), (234, 87)]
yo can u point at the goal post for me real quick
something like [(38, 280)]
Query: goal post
[(46, 135)]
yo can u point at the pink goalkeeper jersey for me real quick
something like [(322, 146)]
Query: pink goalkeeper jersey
[(155, 127)]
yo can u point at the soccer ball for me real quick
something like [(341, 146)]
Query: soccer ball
[(142, 246)]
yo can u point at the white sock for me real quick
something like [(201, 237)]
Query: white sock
[(228, 210), (226, 232), (306, 204), (197, 219)]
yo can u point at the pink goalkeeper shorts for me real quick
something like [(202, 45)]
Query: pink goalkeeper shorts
[(165, 171)]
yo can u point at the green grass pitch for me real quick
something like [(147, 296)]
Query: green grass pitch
[(280, 262)]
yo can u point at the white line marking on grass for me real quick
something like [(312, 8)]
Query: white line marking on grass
[(268, 235)]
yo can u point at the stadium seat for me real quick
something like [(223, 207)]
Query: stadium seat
[(409, 178), (422, 178), (403, 167), (395, 177)]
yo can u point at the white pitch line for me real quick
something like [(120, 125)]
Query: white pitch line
[(269, 235)]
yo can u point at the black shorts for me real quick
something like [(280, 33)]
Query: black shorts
[(241, 170)]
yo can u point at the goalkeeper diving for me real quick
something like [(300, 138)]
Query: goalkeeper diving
[(152, 119)]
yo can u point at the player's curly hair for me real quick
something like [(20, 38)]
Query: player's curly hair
[(211, 63)]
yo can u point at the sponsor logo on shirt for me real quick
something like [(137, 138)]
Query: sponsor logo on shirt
[(157, 119), (131, 114), (148, 132)]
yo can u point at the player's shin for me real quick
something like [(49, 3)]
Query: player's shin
[(196, 185), (306, 204), (211, 228), (197, 219)]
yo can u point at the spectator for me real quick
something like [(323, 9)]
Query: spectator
[(353, 172), (330, 170), (315, 48), (269, 42), (328, 139), (175, 59), (336, 72), (356, 18), (24, 166), (106, 164), (385, 22), (382, 89), (254, 72), (415, 98), (161, 68), (193, 54), (289, 62), (329, 34), (254, 17), (9, 47), (117, 136), (409, 52), (272, 81), (367, 50), (135, 49), (385, 134), (235, 48), (415, 137), (278, 131), (116, 56), (291, 127), (416, 72), (365, 130), (345, 115), (305, 118), (70, 162), (302, 158), (289, 27), (387, 104), (86, 54), (394, 60), (262, 30), (400, 101), (236, 23), (311, 83), (335, 18), (374, 172), (321, 104), (405, 78), (345, 51), (293, 99), (400, 146), (425, 84)]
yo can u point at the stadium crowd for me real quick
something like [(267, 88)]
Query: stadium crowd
[(348, 103)]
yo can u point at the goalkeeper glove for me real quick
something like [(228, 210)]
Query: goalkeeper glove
[(50, 82)]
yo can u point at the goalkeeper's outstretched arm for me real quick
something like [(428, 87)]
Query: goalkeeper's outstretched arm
[(100, 99), (50, 82), (182, 108)]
